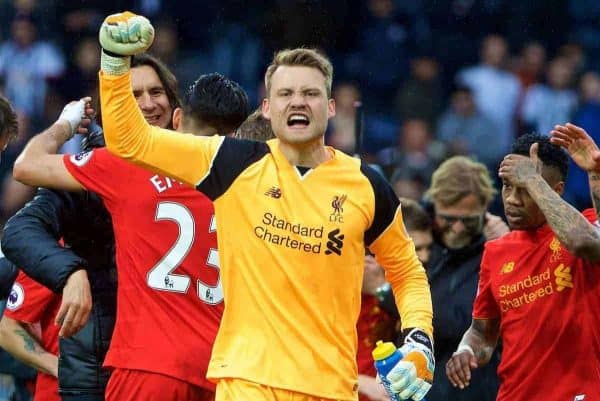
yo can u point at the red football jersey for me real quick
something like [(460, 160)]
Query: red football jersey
[(169, 297), (31, 302), (548, 302), (373, 324)]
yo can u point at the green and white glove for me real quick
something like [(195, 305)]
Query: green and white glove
[(123, 35)]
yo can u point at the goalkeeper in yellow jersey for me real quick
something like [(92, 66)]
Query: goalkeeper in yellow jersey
[(293, 217)]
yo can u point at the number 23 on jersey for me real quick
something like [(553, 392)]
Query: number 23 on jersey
[(161, 276)]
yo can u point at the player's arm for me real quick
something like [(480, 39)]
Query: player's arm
[(184, 157), (38, 164), (572, 229), (17, 339), (30, 239), (475, 350)]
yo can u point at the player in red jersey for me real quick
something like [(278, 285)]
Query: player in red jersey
[(30, 304), (169, 294), (539, 286)]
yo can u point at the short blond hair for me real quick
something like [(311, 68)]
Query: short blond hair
[(458, 177), (301, 57)]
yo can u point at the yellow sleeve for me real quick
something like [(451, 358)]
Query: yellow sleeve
[(128, 135), (395, 251)]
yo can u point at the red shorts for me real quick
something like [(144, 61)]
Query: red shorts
[(138, 385)]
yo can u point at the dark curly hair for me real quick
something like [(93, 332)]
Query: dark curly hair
[(216, 101), (551, 155)]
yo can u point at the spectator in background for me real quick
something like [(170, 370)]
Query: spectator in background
[(343, 125), (416, 152), (531, 64), (383, 54), (420, 97), (466, 131), (575, 55), (496, 90), (583, 16), (26, 64), (408, 184), (553, 102), (460, 193), (587, 116)]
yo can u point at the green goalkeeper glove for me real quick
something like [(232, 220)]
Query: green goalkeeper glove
[(122, 35)]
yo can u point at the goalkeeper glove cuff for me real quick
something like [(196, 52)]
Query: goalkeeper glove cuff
[(114, 64)]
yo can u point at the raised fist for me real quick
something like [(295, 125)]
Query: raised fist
[(126, 34)]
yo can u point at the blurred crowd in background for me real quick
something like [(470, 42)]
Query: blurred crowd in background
[(435, 77)]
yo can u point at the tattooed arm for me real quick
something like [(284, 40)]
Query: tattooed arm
[(586, 154), (17, 339), (572, 229), (475, 350)]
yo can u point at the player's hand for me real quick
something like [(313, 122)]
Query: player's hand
[(494, 226), (411, 378), (76, 304), (580, 146), (371, 388), (459, 366), (373, 276), (74, 115), (126, 34), (519, 170)]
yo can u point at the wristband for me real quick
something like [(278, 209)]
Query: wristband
[(113, 64)]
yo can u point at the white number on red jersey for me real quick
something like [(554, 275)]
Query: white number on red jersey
[(161, 276)]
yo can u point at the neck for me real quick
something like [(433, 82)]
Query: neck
[(309, 155)]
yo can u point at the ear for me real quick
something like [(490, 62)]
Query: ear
[(266, 109), (331, 108), (177, 118), (559, 187)]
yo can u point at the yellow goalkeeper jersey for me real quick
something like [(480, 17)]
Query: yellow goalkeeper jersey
[(291, 248)]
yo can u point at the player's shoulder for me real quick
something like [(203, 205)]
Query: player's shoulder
[(95, 156), (501, 243)]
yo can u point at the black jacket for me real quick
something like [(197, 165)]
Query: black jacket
[(8, 274), (453, 278), (30, 241)]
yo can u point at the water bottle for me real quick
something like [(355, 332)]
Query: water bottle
[(386, 356)]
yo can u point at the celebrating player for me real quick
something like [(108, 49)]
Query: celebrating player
[(539, 285), (294, 217), (169, 292)]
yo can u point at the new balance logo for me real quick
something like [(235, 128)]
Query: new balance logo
[(335, 243), (274, 192)]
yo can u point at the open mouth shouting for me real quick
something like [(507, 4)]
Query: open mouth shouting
[(298, 121)]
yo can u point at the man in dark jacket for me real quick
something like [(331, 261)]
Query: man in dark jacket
[(31, 240), (461, 191)]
